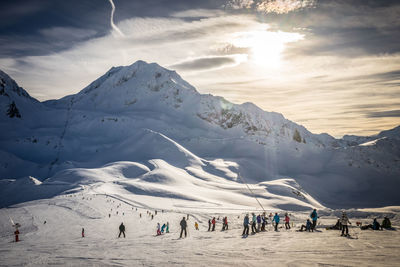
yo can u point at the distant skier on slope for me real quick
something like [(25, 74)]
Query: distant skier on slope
[(253, 224), (225, 227), (209, 225), (246, 225), (258, 223), (183, 227), (196, 226), (121, 230), (167, 228), (83, 232), (264, 222), (213, 222), (276, 220), (287, 221), (158, 229), (344, 221), (314, 217), (163, 228)]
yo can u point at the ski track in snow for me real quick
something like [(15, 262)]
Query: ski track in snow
[(58, 242)]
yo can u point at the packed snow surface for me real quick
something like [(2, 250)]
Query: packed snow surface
[(51, 235)]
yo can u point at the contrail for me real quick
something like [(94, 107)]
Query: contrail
[(112, 19)]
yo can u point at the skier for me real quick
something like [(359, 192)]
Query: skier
[(183, 227), (276, 220), (196, 225), (258, 223), (246, 225), (83, 232), (121, 230), (226, 223), (158, 229), (307, 227), (213, 224), (167, 229), (344, 221), (209, 225), (314, 217), (287, 221), (253, 224), (264, 222), (163, 228), (16, 233)]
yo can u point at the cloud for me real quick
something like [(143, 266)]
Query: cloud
[(208, 63), (271, 6), (327, 89), (67, 33), (198, 13), (382, 114)]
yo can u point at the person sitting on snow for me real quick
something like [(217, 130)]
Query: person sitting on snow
[(307, 227), (337, 226), (386, 223), (374, 226)]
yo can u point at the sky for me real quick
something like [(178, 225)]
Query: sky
[(330, 65)]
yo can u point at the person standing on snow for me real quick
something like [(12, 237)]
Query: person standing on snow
[(246, 225), (163, 228), (213, 224), (196, 226), (287, 221), (209, 225), (314, 217), (183, 227), (253, 223), (345, 221), (276, 220), (16, 233), (264, 222), (158, 229), (225, 223), (167, 229), (121, 230), (83, 232), (258, 223)]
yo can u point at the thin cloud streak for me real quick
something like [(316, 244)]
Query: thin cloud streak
[(112, 19)]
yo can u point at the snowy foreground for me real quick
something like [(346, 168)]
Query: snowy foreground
[(59, 241)]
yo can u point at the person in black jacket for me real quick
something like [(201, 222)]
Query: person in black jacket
[(121, 230), (183, 226)]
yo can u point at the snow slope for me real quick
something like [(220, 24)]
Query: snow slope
[(59, 241), (149, 116)]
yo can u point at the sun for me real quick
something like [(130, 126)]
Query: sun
[(266, 46)]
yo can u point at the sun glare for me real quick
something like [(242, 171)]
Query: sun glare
[(266, 46)]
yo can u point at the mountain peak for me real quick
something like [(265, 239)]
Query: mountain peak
[(132, 87)]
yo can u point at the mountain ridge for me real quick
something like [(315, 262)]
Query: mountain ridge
[(144, 112)]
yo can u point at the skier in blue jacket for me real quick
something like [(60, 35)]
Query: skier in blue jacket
[(246, 225), (276, 220), (314, 217)]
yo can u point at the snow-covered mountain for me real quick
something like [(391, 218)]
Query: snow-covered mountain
[(141, 130)]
